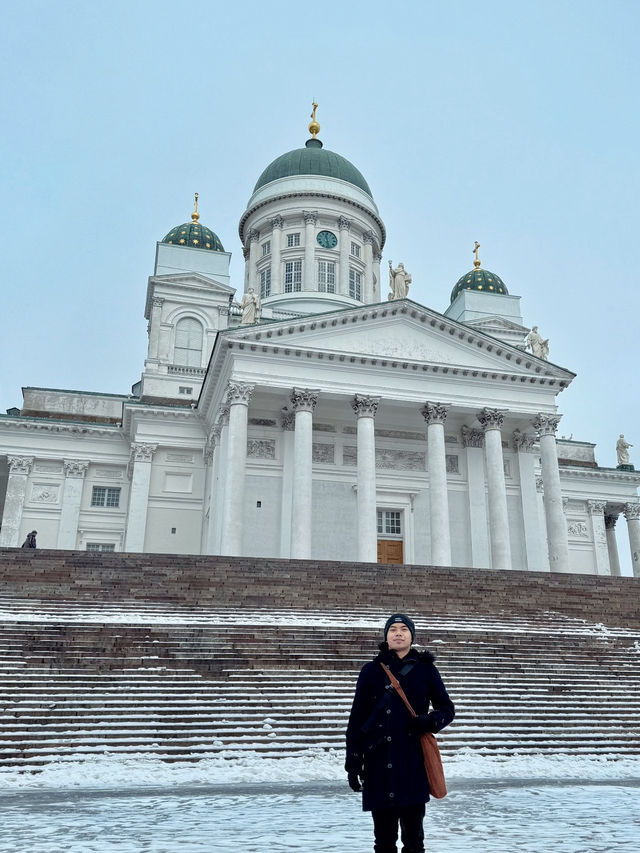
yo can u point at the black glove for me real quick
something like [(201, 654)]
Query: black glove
[(423, 723), (354, 781)]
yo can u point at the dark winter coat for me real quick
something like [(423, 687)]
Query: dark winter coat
[(379, 745)]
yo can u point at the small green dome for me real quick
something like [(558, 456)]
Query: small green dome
[(195, 236), (481, 280), (313, 159)]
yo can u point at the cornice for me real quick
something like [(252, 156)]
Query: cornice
[(55, 426), (611, 474)]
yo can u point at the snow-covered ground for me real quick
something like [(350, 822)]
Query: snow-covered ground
[(254, 805)]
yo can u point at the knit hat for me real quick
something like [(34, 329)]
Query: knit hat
[(400, 617)]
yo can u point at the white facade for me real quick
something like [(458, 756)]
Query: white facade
[(343, 426)]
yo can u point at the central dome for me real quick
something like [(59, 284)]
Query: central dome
[(313, 159)]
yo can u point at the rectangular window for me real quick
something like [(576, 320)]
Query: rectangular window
[(266, 248), (292, 276), (355, 250), (185, 389), (293, 240), (355, 281), (327, 276), (105, 496), (100, 546), (389, 523), (265, 283)]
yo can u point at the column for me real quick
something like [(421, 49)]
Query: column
[(209, 490), (368, 267), (365, 409), (238, 396), (140, 472), (222, 425), (287, 422), (19, 470), (523, 444), (277, 224), (304, 402), (473, 441), (542, 521), (491, 420), (612, 544), (345, 253), (435, 414), (557, 541), (596, 511), (74, 472), (254, 236), (377, 285), (632, 514), (309, 273), (154, 328)]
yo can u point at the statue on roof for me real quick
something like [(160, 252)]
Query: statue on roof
[(622, 449), (251, 307), (399, 281), (538, 345)]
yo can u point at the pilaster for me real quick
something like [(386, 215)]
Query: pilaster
[(74, 474), (473, 441), (19, 470), (596, 511), (140, 474)]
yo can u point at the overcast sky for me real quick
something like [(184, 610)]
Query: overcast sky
[(508, 123)]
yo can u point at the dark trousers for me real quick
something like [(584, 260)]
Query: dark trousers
[(385, 829)]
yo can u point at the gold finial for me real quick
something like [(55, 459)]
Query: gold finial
[(477, 263), (314, 127), (195, 215)]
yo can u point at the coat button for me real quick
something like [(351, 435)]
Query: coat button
[(389, 766), (388, 710), (389, 738), (392, 794)]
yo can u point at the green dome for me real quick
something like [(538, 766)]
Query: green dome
[(481, 280), (313, 159), (194, 235)]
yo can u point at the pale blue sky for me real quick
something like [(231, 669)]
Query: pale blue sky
[(515, 124)]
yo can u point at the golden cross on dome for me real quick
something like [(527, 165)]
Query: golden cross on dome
[(195, 215), (314, 127), (477, 263)]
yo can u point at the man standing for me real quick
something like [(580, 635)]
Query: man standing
[(383, 740)]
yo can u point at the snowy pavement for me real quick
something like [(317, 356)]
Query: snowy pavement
[(527, 804)]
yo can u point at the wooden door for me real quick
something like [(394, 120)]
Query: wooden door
[(390, 551)]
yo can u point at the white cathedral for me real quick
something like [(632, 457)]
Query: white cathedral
[(318, 416)]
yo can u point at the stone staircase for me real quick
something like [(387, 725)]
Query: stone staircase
[(92, 663)]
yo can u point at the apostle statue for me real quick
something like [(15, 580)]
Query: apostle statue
[(399, 281), (622, 449), (538, 345), (250, 306)]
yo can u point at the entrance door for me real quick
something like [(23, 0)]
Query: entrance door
[(390, 551)]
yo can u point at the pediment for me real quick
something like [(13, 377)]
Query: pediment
[(191, 279)]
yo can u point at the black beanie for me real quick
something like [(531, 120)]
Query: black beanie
[(400, 617)]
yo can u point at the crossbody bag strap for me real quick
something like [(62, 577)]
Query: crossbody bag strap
[(397, 687)]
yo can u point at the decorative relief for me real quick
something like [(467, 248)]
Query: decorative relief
[(434, 413), (310, 218), (565, 504), (277, 222), (365, 407), (491, 418), (472, 437), (287, 419), (403, 460), (596, 507), (143, 452), (76, 468), (632, 511), (578, 528), (546, 424), (452, 463), (344, 223), (323, 453), (20, 464), (261, 448), (451, 439), (610, 522), (324, 427), (397, 433), (157, 302), (349, 455), (179, 457), (109, 473), (45, 493), (42, 468), (350, 430), (304, 399), (239, 392), (539, 485), (523, 441), (264, 422), (222, 419)]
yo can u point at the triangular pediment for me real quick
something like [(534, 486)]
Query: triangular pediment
[(191, 279)]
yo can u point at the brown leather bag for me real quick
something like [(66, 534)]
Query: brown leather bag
[(430, 751)]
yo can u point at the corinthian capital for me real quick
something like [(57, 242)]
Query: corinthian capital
[(75, 468), (239, 392), (368, 237), (20, 464), (310, 218), (596, 507), (472, 437), (546, 424), (343, 223), (143, 452), (610, 522), (277, 222), (490, 418), (434, 413), (253, 235), (304, 399), (365, 407), (632, 511), (523, 441)]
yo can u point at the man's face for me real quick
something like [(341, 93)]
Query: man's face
[(399, 638)]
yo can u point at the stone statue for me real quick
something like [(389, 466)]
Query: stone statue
[(251, 307), (538, 345), (30, 541), (399, 281), (622, 449)]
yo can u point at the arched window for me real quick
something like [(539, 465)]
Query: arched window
[(188, 349)]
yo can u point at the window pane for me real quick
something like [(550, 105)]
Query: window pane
[(265, 283), (293, 240), (113, 497), (188, 348)]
